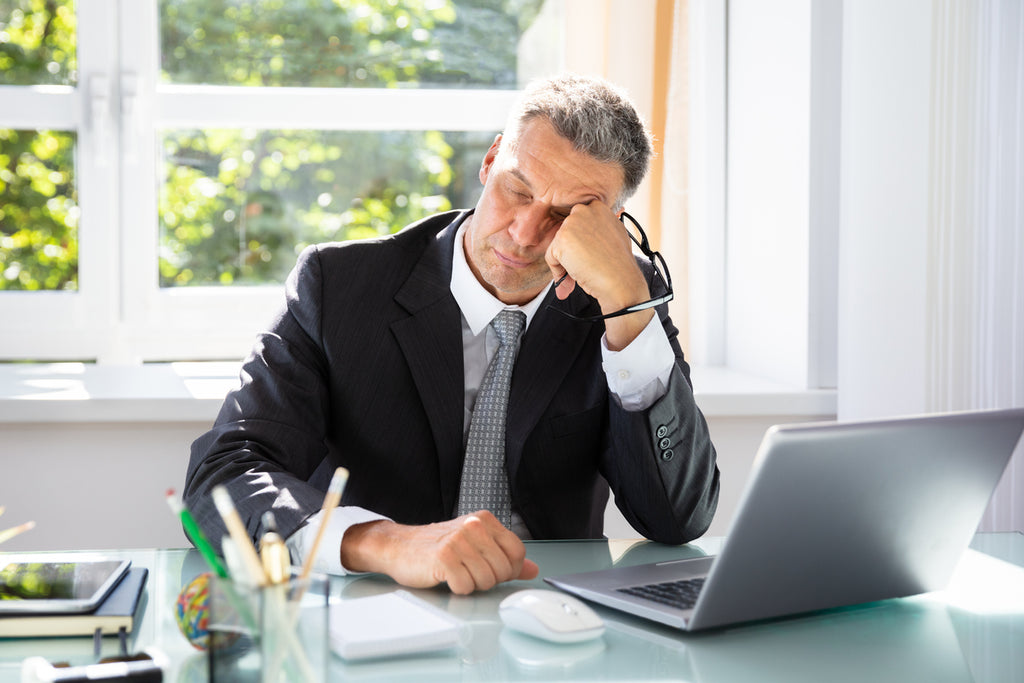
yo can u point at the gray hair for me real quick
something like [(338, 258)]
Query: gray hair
[(596, 117)]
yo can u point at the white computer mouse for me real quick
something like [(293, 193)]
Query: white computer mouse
[(550, 615)]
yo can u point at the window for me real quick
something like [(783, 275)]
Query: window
[(163, 161)]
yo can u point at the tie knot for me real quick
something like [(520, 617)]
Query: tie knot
[(509, 325)]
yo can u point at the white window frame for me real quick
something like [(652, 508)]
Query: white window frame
[(64, 323), (763, 234)]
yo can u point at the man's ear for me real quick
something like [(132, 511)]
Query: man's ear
[(492, 153)]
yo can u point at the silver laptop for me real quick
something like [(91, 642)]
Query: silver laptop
[(833, 514)]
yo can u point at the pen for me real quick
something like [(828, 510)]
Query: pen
[(8, 534), (331, 501), (196, 535), (561, 279), (226, 508), (273, 552)]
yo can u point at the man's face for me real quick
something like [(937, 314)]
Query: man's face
[(529, 188)]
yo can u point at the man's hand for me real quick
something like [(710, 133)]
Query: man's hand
[(594, 250), (470, 553)]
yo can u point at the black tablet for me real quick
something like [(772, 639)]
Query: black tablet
[(56, 583)]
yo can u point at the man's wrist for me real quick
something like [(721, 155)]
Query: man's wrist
[(620, 332), (364, 547)]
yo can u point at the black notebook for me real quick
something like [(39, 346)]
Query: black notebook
[(116, 612)]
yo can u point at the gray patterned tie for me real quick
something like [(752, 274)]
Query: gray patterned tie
[(484, 480)]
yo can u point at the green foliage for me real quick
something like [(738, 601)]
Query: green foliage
[(39, 211), (37, 42), (237, 206), (326, 43)]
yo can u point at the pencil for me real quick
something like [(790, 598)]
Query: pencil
[(196, 535), (331, 501), (8, 534), (226, 508)]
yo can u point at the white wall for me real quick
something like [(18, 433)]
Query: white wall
[(884, 212), (768, 190), (94, 485)]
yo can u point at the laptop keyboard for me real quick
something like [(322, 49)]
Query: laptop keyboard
[(681, 594)]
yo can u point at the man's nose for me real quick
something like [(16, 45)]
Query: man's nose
[(531, 226)]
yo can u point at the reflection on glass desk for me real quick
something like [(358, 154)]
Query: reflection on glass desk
[(972, 631)]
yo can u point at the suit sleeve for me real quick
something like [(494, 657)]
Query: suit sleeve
[(660, 462), (267, 441)]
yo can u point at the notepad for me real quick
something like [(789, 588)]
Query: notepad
[(390, 624)]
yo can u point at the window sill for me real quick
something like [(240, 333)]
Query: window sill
[(83, 392), (723, 392), (194, 391)]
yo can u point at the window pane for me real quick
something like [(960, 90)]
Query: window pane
[(39, 211), (368, 43), (37, 42), (236, 207)]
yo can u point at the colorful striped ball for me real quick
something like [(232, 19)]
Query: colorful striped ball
[(193, 610)]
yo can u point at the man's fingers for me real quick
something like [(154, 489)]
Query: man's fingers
[(480, 554), (529, 571), (458, 578), (513, 548), (499, 548), (564, 286)]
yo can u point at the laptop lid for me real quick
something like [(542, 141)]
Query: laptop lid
[(837, 514)]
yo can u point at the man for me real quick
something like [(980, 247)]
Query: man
[(376, 362)]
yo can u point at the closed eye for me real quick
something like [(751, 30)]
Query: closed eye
[(518, 195)]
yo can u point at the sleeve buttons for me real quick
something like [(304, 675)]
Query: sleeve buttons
[(664, 443)]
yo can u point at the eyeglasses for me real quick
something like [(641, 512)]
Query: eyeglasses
[(645, 248)]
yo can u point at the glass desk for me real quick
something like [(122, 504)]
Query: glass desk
[(972, 631)]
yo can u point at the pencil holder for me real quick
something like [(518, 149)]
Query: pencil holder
[(270, 634)]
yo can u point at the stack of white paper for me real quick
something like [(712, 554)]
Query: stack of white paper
[(390, 624)]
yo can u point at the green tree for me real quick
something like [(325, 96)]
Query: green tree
[(39, 208), (37, 42), (237, 206)]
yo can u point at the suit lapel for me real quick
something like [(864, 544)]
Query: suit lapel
[(431, 339), (548, 350)]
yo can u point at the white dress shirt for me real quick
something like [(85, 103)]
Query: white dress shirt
[(637, 376)]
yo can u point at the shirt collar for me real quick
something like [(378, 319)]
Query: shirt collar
[(477, 304)]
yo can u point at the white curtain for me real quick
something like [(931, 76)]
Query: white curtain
[(975, 316)]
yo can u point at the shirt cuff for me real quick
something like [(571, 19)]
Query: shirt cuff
[(638, 375), (328, 556)]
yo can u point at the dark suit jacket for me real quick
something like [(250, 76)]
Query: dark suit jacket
[(363, 368)]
